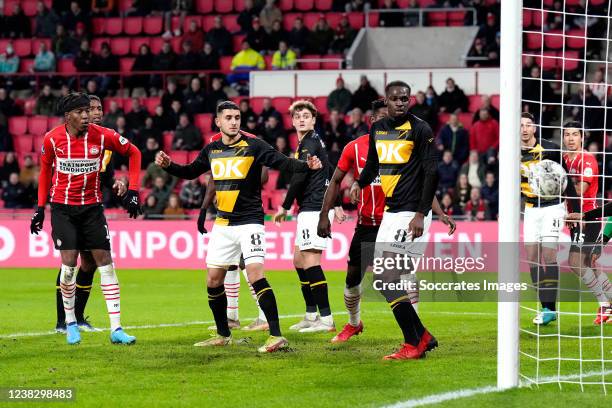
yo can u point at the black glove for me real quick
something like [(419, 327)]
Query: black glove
[(132, 204), (37, 220), (201, 221)]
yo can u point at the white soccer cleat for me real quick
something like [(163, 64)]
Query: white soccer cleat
[(304, 323), (320, 326)]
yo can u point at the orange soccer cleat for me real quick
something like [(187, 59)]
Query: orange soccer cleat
[(604, 314), (407, 352), (347, 332)]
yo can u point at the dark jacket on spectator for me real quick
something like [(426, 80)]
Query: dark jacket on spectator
[(210, 60), (221, 40), (454, 100), (458, 142), (85, 61), (46, 23), (339, 99), (363, 97), (447, 174), (298, 39), (195, 102), (17, 26), (425, 112), (134, 120), (13, 195), (165, 61), (190, 136)]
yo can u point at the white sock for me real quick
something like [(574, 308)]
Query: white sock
[(232, 289), (68, 288), (606, 286), (262, 315), (110, 288), (352, 298), (328, 320), (413, 295), (311, 316), (592, 282)]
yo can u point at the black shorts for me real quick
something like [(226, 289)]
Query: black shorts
[(584, 236), (79, 227), (362, 245)]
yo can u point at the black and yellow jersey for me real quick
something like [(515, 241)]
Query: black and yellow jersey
[(309, 188), (543, 150), (403, 151), (236, 170)]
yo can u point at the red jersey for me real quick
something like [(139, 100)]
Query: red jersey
[(372, 203), (78, 162), (584, 168)]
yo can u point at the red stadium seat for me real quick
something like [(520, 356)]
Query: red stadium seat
[(22, 47), (533, 41), (189, 19), (136, 42), (120, 46), (257, 103), (55, 121), (36, 44), (356, 20), (224, 6), (310, 64), (332, 18), (203, 121), (38, 142), (66, 66), (29, 7), (323, 5), (204, 6), (237, 41), (26, 64), (538, 18), (320, 103), (293, 141), (98, 26), (456, 18), (208, 22), (268, 61), (495, 101), (177, 43), (152, 25), (156, 44), (151, 103), (527, 18), (436, 18), (311, 19), (96, 44), (28, 106), (289, 20), (282, 103), (23, 143), (303, 5), (335, 61), (553, 39), (179, 156), (114, 26), (466, 119), (125, 64), (238, 5), (230, 22), (373, 19), (38, 125), (225, 63), (285, 5), (575, 39), (571, 60), (475, 102), (132, 26), (126, 104), (549, 61), (18, 125)]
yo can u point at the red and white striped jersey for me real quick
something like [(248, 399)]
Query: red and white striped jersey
[(583, 168), (372, 203), (78, 162)]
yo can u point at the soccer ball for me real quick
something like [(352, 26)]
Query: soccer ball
[(547, 179)]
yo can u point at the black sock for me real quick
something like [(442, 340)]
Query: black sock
[(84, 282), (546, 279), (408, 321), (311, 306), (267, 302), (218, 304), (59, 302), (318, 286)]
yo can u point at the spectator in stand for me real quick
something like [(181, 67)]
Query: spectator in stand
[(142, 62), (474, 170), (46, 102), (598, 86), (556, 20), (161, 190), (448, 170), (7, 104), (246, 60), (189, 60), (110, 117), (490, 195), (253, 128), (75, 15), (454, 138), (149, 151), (446, 203), (220, 38), (274, 130), (187, 136), (364, 95), (162, 119), (277, 35), (335, 130), (484, 134), (257, 36), (103, 8), (174, 210), (85, 60), (321, 37), (91, 87), (135, 119), (431, 99), (166, 59), (13, 193), (343, 36), (284, 58), (81, 34), (192, 194), (245, 109), (246, 16), (477, 54), (6, 141), (453, 100), (340, 98), (195, 98), (150, 209), (209, 58), (9, 61), (493, 51), (172, 93), (489, 30), (528, 64), (153, 172), (29, 172), (298, 36), (44, 60), (63, 45), (46, 21), (148, 131), (411, 17), (17, 25), (267, 110), (175, 112), (216, 95), (357, 126), (485, 103), (424, 111), (461, 194), (269, 14), (194, 35), (9, 166), (390, 19), (106, 62), (475, 208)]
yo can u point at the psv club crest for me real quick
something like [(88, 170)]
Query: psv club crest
[(94, 150)]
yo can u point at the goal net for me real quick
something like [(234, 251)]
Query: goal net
[(566, 81)]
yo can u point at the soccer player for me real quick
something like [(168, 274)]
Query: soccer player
[(370, 210), (77, 217), (235, 162), (402, 150), (542, 221), (87, 268), (308, 189)]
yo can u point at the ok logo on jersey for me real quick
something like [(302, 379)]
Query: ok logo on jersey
[(394, 151), (231, 168)]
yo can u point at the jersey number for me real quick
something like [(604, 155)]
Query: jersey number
[(305, 234), (256, 239), (401, 235)]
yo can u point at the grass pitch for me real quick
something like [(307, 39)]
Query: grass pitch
[(168, 312)]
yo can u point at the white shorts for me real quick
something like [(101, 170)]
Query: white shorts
[(306, 236), (227, 242), (543, 224), (395, 237)]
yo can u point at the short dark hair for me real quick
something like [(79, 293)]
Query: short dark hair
[(400, 84), (95, 98), (378, 104), (527, 115), (73, 100), (221, 106), (573, 124)]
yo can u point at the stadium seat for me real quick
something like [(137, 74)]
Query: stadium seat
[(189, 19), (356, 20), (285, 5), (293, 141), (527, 18), (126, 104), (553, 39), (332, 18), (333, 62), (257, 103), (303, 5), (66, 66), (575, 39), (203, 121), (179, 156), (26, 64), (475, 102), (533, 41), (238, 5), (224, 7), (55, 121), (133, 25), (28, 106), (268, 61), (151, 103), (230, 21), (36, 44), (495, 101), (113, 26), (538, 17), (373, 19), (96, 44), (38, 125), (436, 18), (287, 121), (208, 22), (311, 19), (3, 43), (204, 6), (98, 26), (456, 18), (120, 46), (323, 5), (549, 61), (570, 61), (177, 43), (320, 103), (125, 64), (136, 42), (156, 44), (23, 143), (289, 19), (152, 25), (310, 64), (29, 7), (225, 63), (38, 142), (23, 47), (18, 125), (167, 136), (237, 41)]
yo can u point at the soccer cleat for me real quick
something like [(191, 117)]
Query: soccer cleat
[(407, 352), (427, 343), (544, 317), (216, 340), (60, 327), (274, 343), (73, 336), (121, 337), (257, 325), (85, 326), (303, 324), (319, 326), (232, 324), (347, 332), (604, 314)]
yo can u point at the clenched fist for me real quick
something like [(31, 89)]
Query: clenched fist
[(162, 159)]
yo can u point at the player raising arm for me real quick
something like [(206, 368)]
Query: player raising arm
[(77, 217)]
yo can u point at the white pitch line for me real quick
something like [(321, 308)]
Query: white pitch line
[(470, 392)]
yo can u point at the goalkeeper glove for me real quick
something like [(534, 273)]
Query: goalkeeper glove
[(132, 203), (201, 221), (38, 219)]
